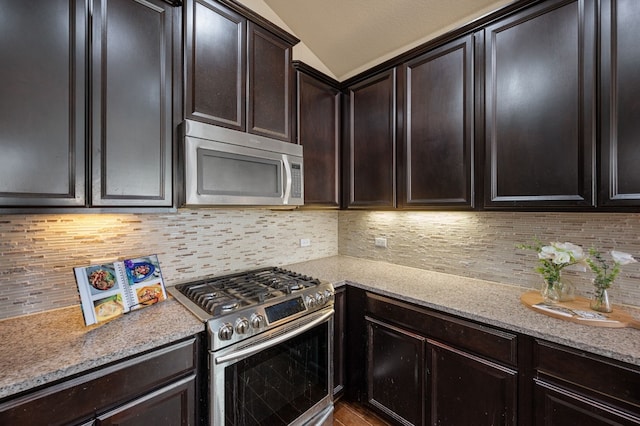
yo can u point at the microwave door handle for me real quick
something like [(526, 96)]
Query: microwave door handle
[(275, 341), (288, 179)]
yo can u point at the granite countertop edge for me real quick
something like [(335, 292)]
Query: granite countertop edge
[(487, 302)]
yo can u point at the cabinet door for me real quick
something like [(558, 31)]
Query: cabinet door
[(620, 86), (395, 372), (215, 55), (319, 134), (557, 406), (436, 165), (270, 85), (371, 143), (42, 102), (465, 389), (132, 84), (172, 405), (540, 114)]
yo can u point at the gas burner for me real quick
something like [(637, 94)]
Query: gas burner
[(229, 306)]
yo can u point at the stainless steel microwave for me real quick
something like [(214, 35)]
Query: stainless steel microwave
[(229, 167)]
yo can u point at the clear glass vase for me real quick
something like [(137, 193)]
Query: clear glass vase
[(562, 290), (600, 301)]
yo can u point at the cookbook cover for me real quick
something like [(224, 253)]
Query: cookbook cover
[(111, 289)]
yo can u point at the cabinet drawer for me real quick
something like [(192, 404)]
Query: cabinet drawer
[(482, 340), (80, 398), (596, 375)]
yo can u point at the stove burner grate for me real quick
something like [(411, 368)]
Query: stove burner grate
[(220, 295)]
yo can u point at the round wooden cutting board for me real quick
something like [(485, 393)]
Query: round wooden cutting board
[(578, 311)]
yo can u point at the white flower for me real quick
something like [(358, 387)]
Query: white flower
[(562, 257), (561, 253), (622, 258), (547, 252), (576, 251)]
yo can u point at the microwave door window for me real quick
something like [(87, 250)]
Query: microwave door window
[(236, 175)]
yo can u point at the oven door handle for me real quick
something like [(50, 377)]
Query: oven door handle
[(275, 341)]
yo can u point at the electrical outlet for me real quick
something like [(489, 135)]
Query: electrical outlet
[(381, 242), (305, 242)]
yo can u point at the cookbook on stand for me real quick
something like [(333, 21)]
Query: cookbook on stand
[(111, 289)]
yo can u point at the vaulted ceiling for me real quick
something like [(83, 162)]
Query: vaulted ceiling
[(349, 36)]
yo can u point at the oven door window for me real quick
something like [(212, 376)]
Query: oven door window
[(277, 385)]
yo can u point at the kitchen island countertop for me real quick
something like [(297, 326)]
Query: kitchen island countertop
[(42, 348), (487, 302)]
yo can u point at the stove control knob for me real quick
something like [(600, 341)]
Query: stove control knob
[(311, 301), (257, 321), (225, 332), (242, 325), (320, 298), (328, 294)]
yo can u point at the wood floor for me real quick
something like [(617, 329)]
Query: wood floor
[(351, 414)]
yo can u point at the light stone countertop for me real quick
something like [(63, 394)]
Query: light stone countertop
[(488, 302), (42, 348)]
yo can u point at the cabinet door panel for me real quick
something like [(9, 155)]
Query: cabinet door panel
[(465, 389), (42, 102), (620, 85), (555, 406), (438, 148), (395, 372), (540, 115), (215, 44), (318, 133), (171, 405), (371, 143), (132, 134), (270, 80)]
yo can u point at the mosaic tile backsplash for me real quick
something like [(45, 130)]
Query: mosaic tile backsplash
[(483, 244), (38, 252)]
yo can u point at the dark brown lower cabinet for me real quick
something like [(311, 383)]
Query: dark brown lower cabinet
[(572, 387), (418, 366), (395, 372), (160, 387), (339, 318), (465, 389), (557, 406), (170, 405), (424, 367)]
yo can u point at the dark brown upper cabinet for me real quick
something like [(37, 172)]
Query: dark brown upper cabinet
[(370, 154), (59, 107), (132, 103), (436, 154), (225, 88), (620, 109), (541, 107), (215, 50), (42, 103), (318, 131)]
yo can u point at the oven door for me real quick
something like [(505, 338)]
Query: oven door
[(280, 377)]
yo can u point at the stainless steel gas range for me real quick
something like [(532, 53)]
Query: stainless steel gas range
[(270, 346)]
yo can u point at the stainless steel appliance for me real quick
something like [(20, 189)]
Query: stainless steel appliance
[(229, 167), (270, 346)]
